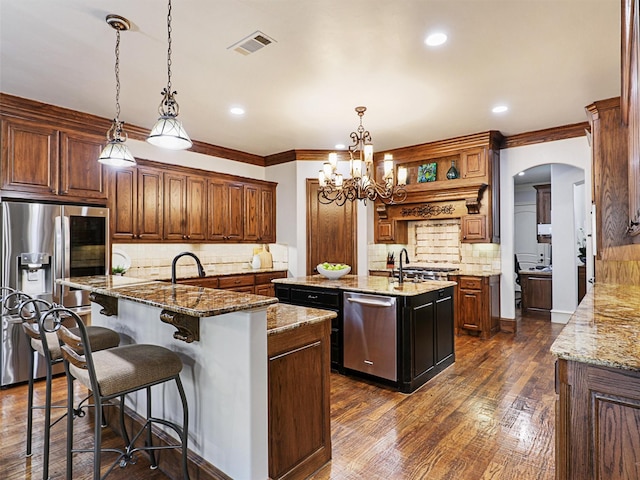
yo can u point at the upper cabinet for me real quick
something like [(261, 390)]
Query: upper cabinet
[(152, 202), (259, 213), (225, 209), (543, 211), (42, 162)]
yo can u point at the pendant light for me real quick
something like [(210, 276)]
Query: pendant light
[(168, 131), (116, 153)]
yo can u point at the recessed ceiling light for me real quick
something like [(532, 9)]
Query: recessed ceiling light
[(237, 110), (521, 174), (340, 146), (500, 109), (436, 39)]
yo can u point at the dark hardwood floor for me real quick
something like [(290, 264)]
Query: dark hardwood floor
[(489, 416)]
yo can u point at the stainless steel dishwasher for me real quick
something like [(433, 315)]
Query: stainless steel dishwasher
[(370, 341)]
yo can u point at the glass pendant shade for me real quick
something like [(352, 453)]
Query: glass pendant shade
[(169, 133), (116, 154)]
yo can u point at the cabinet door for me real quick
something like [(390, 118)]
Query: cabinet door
[(473, 163), (423, 329), (150, 217), (175, 206), (225, 210), (474, 228), (81, 175), (251, 212), (390, 231), (236, 210), (444, 329), (29, 157), (123, 203), (267, 215), (266, 290), (470, 310), (196, 208), (543, 209)]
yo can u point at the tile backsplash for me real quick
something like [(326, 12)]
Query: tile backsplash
[(153, 260), (437, 243)]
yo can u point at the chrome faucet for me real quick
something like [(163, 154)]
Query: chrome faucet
[(201, 272), (406, 259)]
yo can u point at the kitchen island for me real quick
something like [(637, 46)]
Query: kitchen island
[(404, 347), (231, 345), (598, 387)]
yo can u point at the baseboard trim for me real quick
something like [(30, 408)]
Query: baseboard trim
[(508, 325)]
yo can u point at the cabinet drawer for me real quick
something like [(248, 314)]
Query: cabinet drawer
[(471, 283), (233, 281), (201, 282), (301, 296), (262, 278)]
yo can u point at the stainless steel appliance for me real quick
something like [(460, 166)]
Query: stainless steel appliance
[(418, 273), (41, 243), (370, 335)]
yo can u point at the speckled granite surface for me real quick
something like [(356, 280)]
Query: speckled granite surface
[(187, 299), (605, 329), (380, 285), (282, 317)]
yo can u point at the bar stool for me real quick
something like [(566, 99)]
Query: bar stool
[(48, 346), (112, 374)]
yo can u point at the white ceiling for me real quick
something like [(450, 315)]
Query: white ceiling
[(546, 60)]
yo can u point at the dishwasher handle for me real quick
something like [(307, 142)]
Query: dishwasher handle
[(371, 303)]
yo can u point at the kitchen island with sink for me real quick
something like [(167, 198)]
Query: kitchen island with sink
[(398, 334), (256, 373)]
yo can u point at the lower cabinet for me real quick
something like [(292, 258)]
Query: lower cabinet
[(597, 422), (255, 283), (299, 401), (319, 298), (478, 305)]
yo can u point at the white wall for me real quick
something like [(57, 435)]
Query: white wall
[(574, 152)]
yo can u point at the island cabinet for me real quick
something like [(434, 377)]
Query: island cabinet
[(41, 161), (327, 299), (426, 336), (299, 401), (597, 422), (478, 305)]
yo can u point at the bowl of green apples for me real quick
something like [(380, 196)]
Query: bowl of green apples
[(333, 271)]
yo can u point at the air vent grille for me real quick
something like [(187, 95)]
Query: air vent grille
[(252, 43)]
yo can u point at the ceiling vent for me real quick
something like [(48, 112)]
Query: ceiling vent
[(252, 43)]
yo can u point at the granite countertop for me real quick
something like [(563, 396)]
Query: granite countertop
[(461, 271), (185, 299), (282, 317), (371, 284), (605, 329)]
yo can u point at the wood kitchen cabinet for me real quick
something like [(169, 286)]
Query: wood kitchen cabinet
[(597, 422), (537, 292), (258, 283), (543, 209), (225, 210), (390, 231), (473, 163), (40, 161), (473, 228), (477, 305), (259, 213), (185, 202), (136, 204)]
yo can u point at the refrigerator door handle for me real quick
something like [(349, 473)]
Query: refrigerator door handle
[(58, 259)]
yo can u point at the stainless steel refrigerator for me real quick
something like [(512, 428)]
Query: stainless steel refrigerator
[(41, 243)]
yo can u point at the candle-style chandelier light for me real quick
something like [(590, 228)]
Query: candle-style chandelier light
[(362, 184)]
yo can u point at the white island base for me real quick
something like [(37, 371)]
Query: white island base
[(225, 379)]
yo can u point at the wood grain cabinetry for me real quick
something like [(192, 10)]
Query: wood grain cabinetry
[(225, 211), (185, 206), (258, 283), (136, 204), (537, 293), (597, 422), (42, 162), (299, 401), (473, 228), (477, 304), (543, 209), (473, 163), (390, 231), (259, 214)]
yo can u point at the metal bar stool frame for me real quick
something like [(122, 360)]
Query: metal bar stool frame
[(76, 351)]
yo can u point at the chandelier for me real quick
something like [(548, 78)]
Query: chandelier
[(168, 131), (116, 153), (362, 184)]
